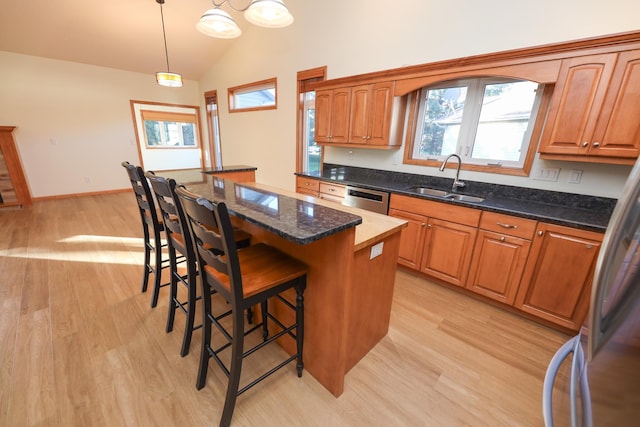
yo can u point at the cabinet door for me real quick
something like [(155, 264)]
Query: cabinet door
[(497, 266), (380, 110), (618, 129), (360, 117), (576, 104), (323, 116), (447, 251), (411, 238), (332, 115), (557, 280)]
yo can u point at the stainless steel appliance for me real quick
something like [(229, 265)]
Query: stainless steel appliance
[(363, 198), (594, 378)]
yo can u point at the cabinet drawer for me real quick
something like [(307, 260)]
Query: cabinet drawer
[(445, 211), (333, 189), (507, 224), (307, 184)]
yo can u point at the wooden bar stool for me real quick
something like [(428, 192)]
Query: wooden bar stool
[(151, 225), (181, 250), (243, 278)]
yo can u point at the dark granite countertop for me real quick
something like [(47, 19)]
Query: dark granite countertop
[(574, 210), (228, 169), (299, 221)]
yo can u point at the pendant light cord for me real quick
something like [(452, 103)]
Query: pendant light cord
[(164, 35)]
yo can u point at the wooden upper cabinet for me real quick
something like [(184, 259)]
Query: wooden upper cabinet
[(332, 115), (366, 115), (557, 279), (371, 114), (595, 110)]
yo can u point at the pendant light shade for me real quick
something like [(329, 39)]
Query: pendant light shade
[(165, 78), (264, 13), (218, 23), (268, 13)]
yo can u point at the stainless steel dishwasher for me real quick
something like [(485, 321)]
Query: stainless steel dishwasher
[(363, 198)]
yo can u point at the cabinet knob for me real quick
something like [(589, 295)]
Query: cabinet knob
[(588, 246), (540, 233), (596, 144), (585, 144), (428, 225), (422, 224), (502, 239)]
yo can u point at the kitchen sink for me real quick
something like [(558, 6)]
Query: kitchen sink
[(446, 195), (463, 198), (429, 191)]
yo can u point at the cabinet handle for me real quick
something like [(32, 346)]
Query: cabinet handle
[(501, 224), (422, 224), (332, 189), (307, 184), (428, 225), (596, 144), (502, 239), (585, 144), (540, 233)]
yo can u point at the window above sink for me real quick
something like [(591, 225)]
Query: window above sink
[(488, 121)]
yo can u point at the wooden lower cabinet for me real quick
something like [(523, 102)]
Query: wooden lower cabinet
[(544, 270), (500, 256), (498, 265), (447, 251), (411, 238), (308, 186), (556, 285), (332, 192)]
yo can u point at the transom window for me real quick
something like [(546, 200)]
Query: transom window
[(169, 130), (487, 121), (260, 95)]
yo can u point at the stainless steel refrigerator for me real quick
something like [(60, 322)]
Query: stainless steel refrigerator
[(594, 378)]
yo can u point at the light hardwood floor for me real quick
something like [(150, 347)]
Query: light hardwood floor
[(80, 345)]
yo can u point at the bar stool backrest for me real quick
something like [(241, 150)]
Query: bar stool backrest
[(215, 243)]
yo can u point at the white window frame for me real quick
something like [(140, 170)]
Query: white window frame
[(470, 121)]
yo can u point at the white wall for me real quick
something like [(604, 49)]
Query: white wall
[(74, 122), (361, 36)]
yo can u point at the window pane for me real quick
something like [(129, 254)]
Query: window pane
[(443, 110), (170, 134), (504, 120), (256, 98), (312, 149)]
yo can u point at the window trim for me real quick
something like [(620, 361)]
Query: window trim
[(251, 87), (307, 82), (536, 132)]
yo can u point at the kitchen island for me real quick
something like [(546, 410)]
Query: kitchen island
[(351, 254)]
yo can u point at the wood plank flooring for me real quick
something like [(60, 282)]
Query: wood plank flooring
[(80, 345)]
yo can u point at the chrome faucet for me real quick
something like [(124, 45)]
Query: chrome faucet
[(456, 181)]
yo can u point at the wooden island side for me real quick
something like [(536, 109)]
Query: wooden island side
[(349, 293)]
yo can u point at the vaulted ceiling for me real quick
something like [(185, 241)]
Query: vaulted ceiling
[(122, 34)]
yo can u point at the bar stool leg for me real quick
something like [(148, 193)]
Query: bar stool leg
[(191, 308), (300, 287), (236, 368), (158, 273)]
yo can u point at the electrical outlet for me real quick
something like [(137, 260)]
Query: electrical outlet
[(575, 175), (547, 174), (376, 250), (350, 154)]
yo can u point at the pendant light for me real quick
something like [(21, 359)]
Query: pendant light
[(167, 78), (264, 13)]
